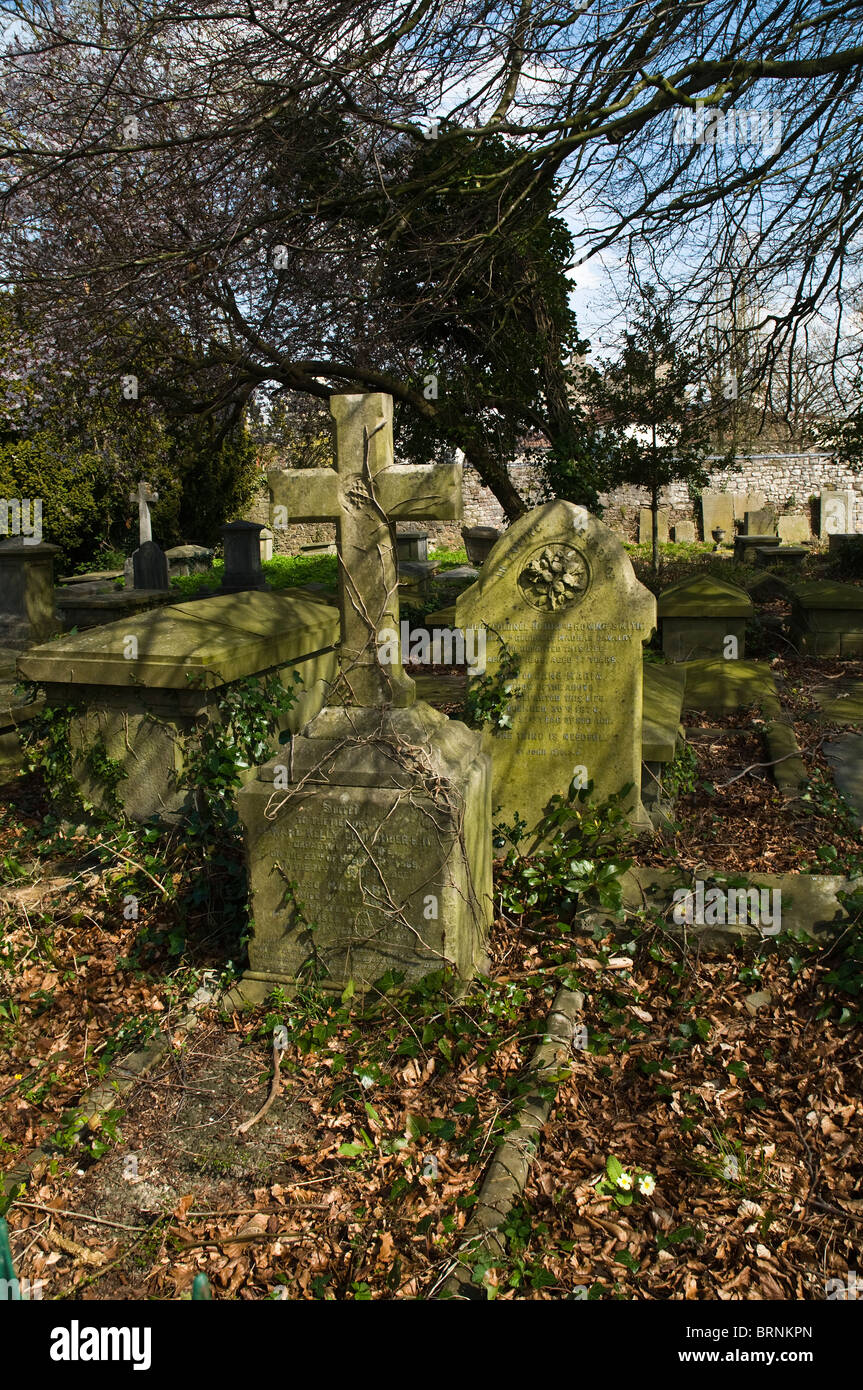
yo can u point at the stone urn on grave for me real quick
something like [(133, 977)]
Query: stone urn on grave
[(369, 840)]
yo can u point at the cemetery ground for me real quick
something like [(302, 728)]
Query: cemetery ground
[(725, 1085)]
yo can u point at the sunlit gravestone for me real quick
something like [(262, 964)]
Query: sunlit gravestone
[(369, 841), (559, 596)]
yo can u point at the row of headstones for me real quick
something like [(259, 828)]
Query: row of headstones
[(725, 511)]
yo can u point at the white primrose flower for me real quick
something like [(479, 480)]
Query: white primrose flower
[(646, 1185), (625, 1181)]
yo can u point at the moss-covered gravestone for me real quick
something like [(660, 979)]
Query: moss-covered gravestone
[(559, 593), (369, 846), (827, 618), (699, 615)]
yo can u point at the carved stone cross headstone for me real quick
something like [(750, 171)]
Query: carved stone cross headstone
[(144, 495), (365, 494), (378, 819)]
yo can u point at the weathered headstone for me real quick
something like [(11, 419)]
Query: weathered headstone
[(150, 567), (645, 526), (760, 523), (684, 531), (379, 823), (837, 513), (793, 529), (560, 593), (717, 510), (267, 539), (747, 502), (242, 544), (26, 593)]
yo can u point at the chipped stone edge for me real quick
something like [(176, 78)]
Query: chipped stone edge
[(507, 1173), (100, 1099)]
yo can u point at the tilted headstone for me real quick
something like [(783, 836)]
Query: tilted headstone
[(645, 526), (26, 593), (837, 513), (379, 821), (559, 592), (717, 510), (150, 567)]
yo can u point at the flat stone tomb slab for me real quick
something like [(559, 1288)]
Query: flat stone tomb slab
[(746, 546), (664, 688), (210, 641), (142, 684), (780, 555), (726, 685), (841, 702)]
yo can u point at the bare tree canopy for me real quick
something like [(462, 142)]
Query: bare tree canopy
[(364, 195)]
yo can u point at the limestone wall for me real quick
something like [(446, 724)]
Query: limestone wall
[(789, 481)]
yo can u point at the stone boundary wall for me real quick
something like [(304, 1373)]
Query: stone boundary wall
[(791, 482)]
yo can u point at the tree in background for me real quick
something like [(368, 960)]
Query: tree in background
[(71, 438), (651, 430), (304, 192)]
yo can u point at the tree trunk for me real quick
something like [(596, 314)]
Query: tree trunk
[(496, 477)]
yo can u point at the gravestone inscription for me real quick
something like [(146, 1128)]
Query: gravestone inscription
[(559, 593)]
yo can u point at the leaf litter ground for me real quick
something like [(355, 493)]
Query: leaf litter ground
[(734, 1081)]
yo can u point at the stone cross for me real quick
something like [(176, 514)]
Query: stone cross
[(144, 496), (365, 494)]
